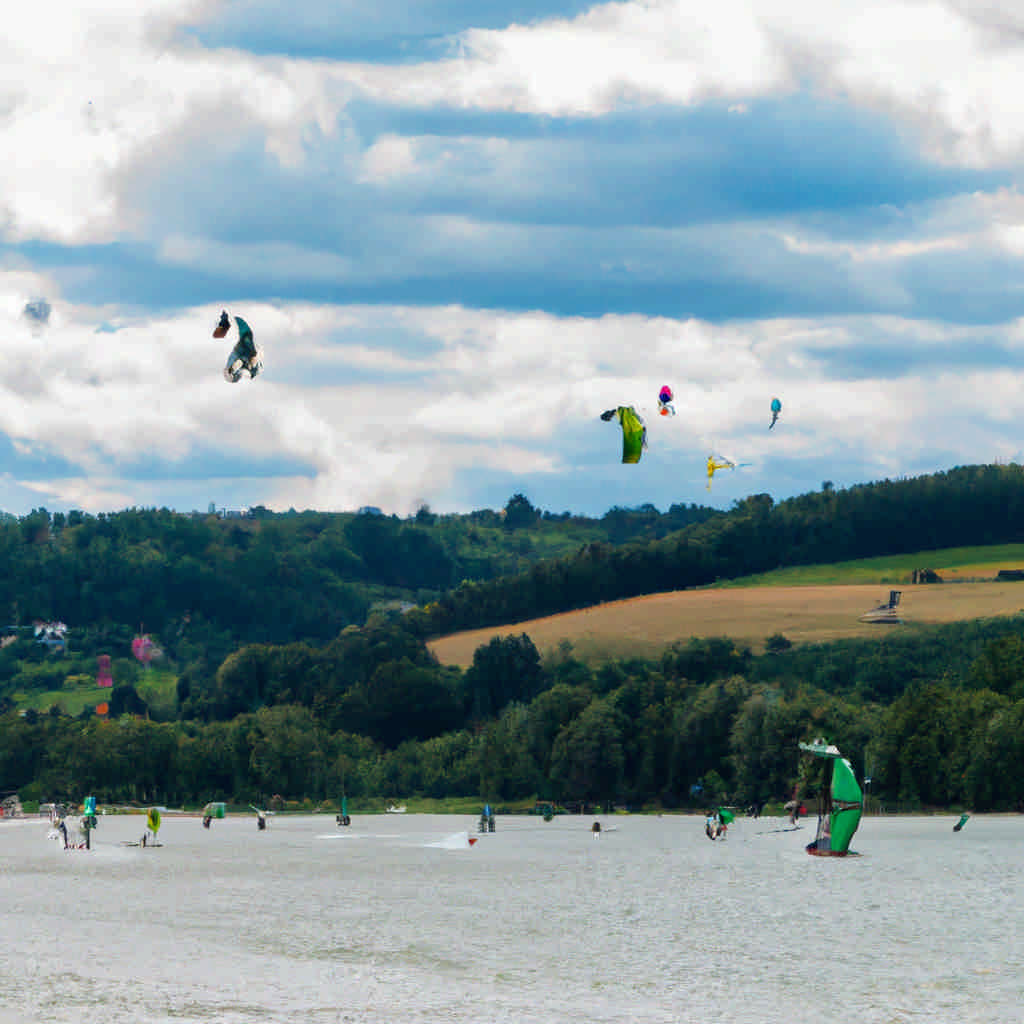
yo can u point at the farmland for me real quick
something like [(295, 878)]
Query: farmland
[(643, 626)]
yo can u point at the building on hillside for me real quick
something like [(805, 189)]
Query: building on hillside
[(51, 634)]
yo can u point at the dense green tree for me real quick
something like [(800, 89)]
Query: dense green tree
[(519, 512), (400, 702), (587, 759), (506, 669), (125, 700), (1000, 667)]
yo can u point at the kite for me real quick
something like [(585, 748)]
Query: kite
[(245, 356), (714, 464), (776, 409), (634, 432), (37, 312), (665, 406), (144, 649)]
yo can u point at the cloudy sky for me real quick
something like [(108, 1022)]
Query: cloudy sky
[(461, 229)]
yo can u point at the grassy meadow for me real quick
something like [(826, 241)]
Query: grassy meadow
[(807, 604), (156, 687), (954, 565)]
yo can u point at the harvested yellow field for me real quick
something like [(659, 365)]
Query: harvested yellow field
[(643, 626)]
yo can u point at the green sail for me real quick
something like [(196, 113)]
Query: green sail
[(842, 802), (633, 433), (153, 820), (847, 805)]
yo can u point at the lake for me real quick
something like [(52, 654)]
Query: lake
[(393, 920)]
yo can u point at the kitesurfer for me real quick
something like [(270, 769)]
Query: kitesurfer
[(63, 830)]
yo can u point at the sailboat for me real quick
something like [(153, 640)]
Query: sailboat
[(841, 805)]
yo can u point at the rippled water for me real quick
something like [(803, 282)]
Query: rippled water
[(539, 922)]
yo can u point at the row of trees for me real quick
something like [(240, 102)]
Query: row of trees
[(276, 577), (707, 714)]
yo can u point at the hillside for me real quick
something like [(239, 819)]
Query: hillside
[(753, 609), (880, 521), (275, 577)]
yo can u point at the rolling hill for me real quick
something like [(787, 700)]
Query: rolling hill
[(807, 604)]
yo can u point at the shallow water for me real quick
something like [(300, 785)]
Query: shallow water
[(394, 920)]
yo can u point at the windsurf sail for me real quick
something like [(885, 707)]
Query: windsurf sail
[(213, 810), (343, 818), (841, 802), (153, 820), (960, 824)]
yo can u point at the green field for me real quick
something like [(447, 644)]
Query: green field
[(156, 688), (952, 564)]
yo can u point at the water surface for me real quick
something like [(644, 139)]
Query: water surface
[(390, 921)]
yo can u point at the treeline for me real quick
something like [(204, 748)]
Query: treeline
[(276, 577), (983, 503), (373, 714)]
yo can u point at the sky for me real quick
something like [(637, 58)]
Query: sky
[(462, 229)]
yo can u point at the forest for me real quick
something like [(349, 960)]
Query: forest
[(278, 577), (296, 664), (934, 717)]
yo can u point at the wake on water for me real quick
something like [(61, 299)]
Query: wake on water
[(456, 841)]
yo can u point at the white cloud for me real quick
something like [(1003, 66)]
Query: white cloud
[(90, 89), (462, 391), (390, 157), (951, 70), (119, 120)]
